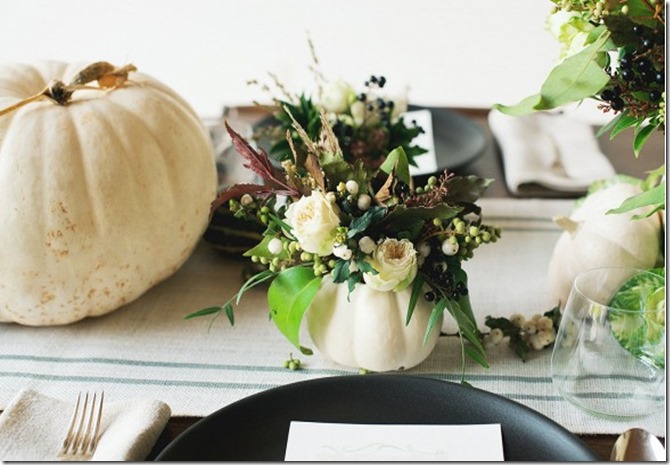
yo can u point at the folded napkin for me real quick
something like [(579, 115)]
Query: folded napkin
[(548, 154), (33, 427)]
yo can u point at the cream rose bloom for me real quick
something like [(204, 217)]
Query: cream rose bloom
[(396, 264), (314, 220), (338, 96)]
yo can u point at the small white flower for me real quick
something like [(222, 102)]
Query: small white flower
[(331, 196), (352, 187), (358, 113), (364, 202), (353, 267), (246, 200), (396, 265), (275, 246), (367, 245), (449, 248), (343, 252)]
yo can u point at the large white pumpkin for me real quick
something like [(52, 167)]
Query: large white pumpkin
[(101, 198), (367, 329), (594, 239)]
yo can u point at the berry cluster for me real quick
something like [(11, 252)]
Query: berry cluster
[(638, 83)]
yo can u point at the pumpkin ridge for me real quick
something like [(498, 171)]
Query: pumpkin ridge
[(159, 143)]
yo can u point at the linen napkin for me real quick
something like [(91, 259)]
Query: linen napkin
[(548, 154), (33, 427)]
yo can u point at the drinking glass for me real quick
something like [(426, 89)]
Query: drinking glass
[(609, 353)]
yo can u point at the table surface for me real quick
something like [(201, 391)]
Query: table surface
[(489, 165)]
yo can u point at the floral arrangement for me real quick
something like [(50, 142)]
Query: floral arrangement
[(613, 52), (327, 216), (368, 124)]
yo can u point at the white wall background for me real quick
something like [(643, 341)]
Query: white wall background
[(448, 52)]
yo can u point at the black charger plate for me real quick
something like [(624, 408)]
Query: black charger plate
[(458, 140), (256, 428)]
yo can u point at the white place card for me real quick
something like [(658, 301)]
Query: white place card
[(426, 162), (341, 442)]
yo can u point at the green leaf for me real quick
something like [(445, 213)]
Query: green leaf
[(289, 296), (417, 287), (578, 77), (203, 312), (476, 356), (228, 309), (610, 124), (524, 107), (254, 281), (466, 188), (397, 159), (654, 196), (641, 137), (341, 271), (434, 317), (361, 223), (624, 122), (403, 218)]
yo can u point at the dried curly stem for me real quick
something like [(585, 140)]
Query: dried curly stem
[(109, 77)]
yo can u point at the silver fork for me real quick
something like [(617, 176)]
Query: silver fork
[(84, 430)]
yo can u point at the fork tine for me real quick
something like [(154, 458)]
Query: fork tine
[(96, 431), (68, 437), (86, 438), (80, 428)]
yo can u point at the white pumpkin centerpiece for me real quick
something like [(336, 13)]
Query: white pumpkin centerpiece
[(592, 238), (106, 191)]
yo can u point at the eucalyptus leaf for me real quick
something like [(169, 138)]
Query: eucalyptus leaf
[(204, 312), (289, 297), (417, 288), (438, 310), (641, 137), (626, 121), (578, 77), (654, 197)]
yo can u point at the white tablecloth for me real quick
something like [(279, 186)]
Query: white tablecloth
[(147, 349)]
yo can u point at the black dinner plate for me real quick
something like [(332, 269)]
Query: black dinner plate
[(256, 428), (458, 140)]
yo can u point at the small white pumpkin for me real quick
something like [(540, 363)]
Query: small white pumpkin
[(368, 330), (594, 239), (102, 197)]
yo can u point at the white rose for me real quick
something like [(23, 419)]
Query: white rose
[(396, 264), (337, 96), (314, 220), (571, 30)]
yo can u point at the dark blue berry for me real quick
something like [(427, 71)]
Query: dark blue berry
[(637, 29), (429, 296), (607, 95), (625, 62), (627, 74), (373, 79), (617, 104), (382, 81), (362, 97), (659, 78), (647, 44), (643, 64), (654, 96)]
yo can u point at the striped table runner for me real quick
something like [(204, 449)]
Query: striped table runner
[(147, 350)]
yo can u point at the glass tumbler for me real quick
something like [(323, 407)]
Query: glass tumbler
[(609, 353)]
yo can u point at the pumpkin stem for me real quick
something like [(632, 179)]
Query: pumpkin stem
[(566, 223), (21, 103), (109, 77)]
